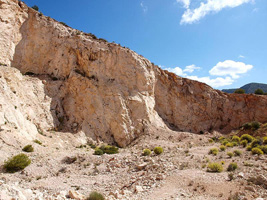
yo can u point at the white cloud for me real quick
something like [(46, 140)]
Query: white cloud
[(241, 56), (191, 68), (143, 7), (191, 16), (186, 3), (230, 67), (217, 82), (176, 70)]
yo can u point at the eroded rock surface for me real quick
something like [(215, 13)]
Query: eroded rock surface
[(110, 93)]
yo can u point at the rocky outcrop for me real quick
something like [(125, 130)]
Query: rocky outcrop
[(109, 92)]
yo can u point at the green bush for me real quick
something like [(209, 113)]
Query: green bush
[(215, 167), (244, 143), (109, 149), (17, 163), (247, 137), (235, 144), (229, 144), (211, 140), (237, 153), (257, 151), (255, 125), (236, 139), (37, 142), (249, 147), (247, 126), (214, 151), (263, 148), (221, 138), (28, 148), (230, 154), (158, 150), (98, 152), (240, 91), (259, 92), (146, 152), (35, 8), (264, 140), (95, 196), (222, 148), (256, 142), (232, 167), (224, 142)]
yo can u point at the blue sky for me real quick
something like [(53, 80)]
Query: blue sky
[(220, 42)]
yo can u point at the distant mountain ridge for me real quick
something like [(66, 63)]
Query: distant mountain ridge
[(249, 88)]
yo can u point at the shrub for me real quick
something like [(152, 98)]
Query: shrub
[(247, 137), (229, 144), (17, 163), (158, 150), (224, 142), (35, 8), (240, 91), (263, 148), (244, 143), (37, 142), (247, 126), (264, 140), (222, 162), (109, 149), (237, 153), (230, 154), (28, 148), (222, 148), (232, 167), (95, 196), (221, 138), (146, 152), (213, 151), (235, 143), (259, 91), (255, 125), (256, 142), (98, 152), (236, 139), (231, 176), (211, 140), (257, 151), (215, 167), (249, 147)]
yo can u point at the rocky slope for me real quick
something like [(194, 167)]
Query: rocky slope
[(109, 93)]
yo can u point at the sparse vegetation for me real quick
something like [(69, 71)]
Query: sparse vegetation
[(28, 148), (244, 143), (240, 91), (263, 148), (229, 144), (231, 176), (108, 149), (37, 142), (146, 152), (211, 140), (232, 167), (158, 150), (247, 137), (237, 153), (222, 148), (259, 92), (98, 152), (264, 140), (257, 151), (255, 125), (235, 139), (95, 196), (230, 154), (214, 151), (215, 167), (17, 163), (35, 8)]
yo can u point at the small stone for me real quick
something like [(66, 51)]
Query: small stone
[(141, 166), (138, 189), (76, 195), (240, 175), (249, 188)]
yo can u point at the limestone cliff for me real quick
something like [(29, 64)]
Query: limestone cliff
[(104, 90)]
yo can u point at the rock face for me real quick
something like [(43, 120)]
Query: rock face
[(104, 90)]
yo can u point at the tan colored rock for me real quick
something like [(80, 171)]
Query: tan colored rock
[(76, 195), (108, 92)]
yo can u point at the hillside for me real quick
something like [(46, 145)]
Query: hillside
[(249, 88), (71, 95)]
